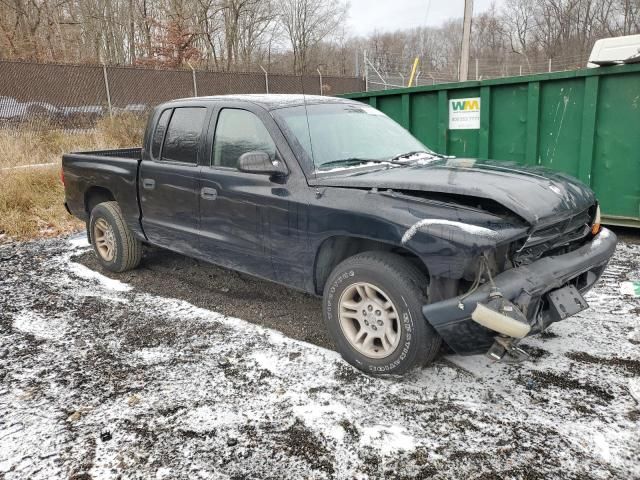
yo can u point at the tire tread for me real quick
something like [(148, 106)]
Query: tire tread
[(131, 246), (415, 284)]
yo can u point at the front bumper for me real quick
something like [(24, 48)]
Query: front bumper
[(525, 286)]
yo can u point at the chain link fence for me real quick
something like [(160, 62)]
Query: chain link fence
[(76, 96), (387, 71)]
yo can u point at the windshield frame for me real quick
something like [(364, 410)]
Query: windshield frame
[(306, 161)]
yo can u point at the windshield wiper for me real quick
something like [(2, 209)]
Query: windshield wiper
[(352, 161), (416, 152)]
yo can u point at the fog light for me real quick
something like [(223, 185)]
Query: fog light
[(595, 227)]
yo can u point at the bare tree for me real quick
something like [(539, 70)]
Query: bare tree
[(302, 34), (307, 23)]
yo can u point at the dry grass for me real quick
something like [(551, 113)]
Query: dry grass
[(38, 143), (31, 199), (31, 204)]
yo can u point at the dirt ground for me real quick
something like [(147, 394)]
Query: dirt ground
[(184, 370)]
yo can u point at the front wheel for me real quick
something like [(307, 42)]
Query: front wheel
[(373, 309), (113, 242)]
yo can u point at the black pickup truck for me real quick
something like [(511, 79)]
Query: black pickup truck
[(330, 196)]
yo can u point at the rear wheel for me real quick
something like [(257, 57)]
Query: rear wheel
[(373, 309), (113, 242)]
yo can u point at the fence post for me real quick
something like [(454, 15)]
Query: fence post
[(320, 73), (476, 68), (106, 87), (549, 65), (266, 78), (520, 70), (193, 78)]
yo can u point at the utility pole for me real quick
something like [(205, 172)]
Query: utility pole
[(466, 41), (366, 72)]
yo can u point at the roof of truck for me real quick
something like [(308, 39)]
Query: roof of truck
[(270, 101)]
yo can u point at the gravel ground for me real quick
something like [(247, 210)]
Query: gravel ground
[(152, 374)]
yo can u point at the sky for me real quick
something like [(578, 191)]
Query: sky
[(365, 16)]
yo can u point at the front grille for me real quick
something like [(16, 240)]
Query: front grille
[(560, 237)]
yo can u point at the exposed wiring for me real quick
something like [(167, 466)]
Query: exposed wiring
[(483, 267)]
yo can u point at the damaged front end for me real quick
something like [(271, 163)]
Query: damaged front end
[(498, 310)]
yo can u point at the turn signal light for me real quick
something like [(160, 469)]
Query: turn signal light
[(595, 228)]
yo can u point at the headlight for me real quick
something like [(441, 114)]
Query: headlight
[(595, 226)]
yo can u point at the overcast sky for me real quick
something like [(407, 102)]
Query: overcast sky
[(368, 15)]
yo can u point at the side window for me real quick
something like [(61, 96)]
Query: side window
[(238, 132), (183, 135), (158, 134)]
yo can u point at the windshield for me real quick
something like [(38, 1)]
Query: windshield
[(338, 135)]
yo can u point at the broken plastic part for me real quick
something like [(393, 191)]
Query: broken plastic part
[(501, 316)]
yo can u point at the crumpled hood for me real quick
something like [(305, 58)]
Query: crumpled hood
[(535, 194)]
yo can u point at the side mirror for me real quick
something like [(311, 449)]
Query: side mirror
[(260, 162)]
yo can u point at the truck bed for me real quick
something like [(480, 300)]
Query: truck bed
[(103, 175)]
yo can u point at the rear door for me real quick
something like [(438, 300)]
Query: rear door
[(169, 180)]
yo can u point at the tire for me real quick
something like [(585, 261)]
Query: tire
[(409, 343), (113, 242)]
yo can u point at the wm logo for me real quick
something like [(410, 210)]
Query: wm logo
[(468, 105)]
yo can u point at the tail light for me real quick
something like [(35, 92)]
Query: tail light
[(62, 176)]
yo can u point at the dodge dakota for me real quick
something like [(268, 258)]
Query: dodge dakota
[(407, 247)]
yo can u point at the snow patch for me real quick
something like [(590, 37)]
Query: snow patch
[(154, 356), (163, 472), (634, 389), (602, 446), (206, 419), (428, 222), (387, 439), (324, 416), (47, 328), (266, 361), (79, 240), (88, 274)]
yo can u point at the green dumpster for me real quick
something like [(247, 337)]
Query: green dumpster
[(583, 122)]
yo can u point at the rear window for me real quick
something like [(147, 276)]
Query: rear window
[(158, 135), (183, 135)]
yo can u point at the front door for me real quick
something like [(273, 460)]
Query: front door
[(237, 208), (169, 181)]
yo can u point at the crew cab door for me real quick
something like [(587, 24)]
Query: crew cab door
[(169, 180), (240, 211)]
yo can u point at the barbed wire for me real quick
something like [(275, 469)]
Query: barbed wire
[(392, 69)]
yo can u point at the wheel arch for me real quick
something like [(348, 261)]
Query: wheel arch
[(333, 250), (96, 195)]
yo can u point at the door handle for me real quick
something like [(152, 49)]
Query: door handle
[(149, 183), (208, 193)]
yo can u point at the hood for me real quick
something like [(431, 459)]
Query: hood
[(535, 194)]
